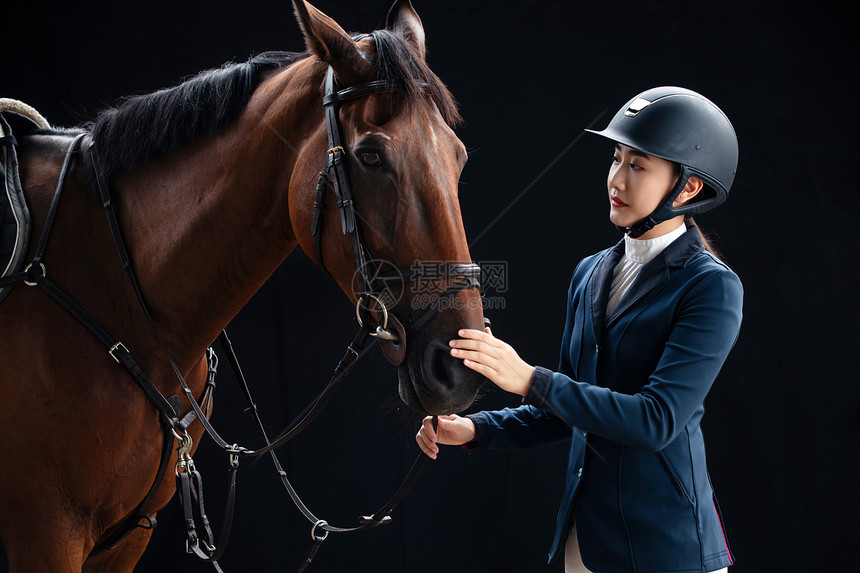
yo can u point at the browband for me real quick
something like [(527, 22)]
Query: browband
[(374, 87)]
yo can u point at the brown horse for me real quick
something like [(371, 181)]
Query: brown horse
[(215, 183)]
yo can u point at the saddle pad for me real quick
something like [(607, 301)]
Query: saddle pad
[(14, 213)]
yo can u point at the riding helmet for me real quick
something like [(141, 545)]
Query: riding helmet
[(684, 127)]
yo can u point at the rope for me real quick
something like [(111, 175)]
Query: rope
[(22, 109)]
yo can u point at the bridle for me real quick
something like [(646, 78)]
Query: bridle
[(335, 175), (200, 539)]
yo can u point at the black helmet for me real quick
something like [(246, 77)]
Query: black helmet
[(683, 127)]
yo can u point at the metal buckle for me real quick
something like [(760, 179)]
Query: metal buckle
[(114, 348), (193, 545)]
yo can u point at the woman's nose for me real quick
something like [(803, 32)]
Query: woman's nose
[(616, 178)]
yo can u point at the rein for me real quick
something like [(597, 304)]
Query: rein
[(189, 481)]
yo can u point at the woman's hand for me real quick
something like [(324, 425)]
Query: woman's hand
[(495, 359), (452, 431)]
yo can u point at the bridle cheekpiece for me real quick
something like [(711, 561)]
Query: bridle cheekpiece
[(336, 175)]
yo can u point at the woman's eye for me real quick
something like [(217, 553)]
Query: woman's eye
[(371, 159)]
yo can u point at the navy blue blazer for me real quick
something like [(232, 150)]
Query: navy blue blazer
[(630, 393)]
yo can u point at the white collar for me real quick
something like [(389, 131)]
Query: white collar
[(643, 250)]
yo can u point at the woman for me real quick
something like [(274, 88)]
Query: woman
[(649, 324)]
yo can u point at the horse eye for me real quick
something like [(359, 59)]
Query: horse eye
[(371, 159)]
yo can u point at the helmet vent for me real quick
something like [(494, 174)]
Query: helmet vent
[(638, 105)]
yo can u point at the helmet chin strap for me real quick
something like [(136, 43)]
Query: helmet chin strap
[(664, 211), (638, 229)]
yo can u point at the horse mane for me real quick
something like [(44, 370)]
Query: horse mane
[(397, 63), (146, 127), (143, 128)]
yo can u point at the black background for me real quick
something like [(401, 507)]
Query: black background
[(782, 422)]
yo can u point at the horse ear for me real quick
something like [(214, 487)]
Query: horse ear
[(330, 43), (403, 20)]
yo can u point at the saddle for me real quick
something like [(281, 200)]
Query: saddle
[(14, 212)]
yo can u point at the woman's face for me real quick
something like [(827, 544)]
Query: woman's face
[(637, 184)]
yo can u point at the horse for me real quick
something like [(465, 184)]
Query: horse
[(215, 182)]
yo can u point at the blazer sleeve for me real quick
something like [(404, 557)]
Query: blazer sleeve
[(703, 333), (517, 428)]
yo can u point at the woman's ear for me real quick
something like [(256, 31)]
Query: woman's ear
[(691, 189)]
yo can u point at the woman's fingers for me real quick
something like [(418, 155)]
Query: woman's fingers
[(494, 359), (481, 336), (427, 425), (473, 350), (478, 341), (476, 355), (426, 438), (479, 350), (453, 430), (482, 369), (427, 447)]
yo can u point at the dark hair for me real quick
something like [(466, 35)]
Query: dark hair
[(690, 222), (396, 63), (145, 127), (707, 239)]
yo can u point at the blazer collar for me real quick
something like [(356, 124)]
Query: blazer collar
[(676, 255), (682, 250)]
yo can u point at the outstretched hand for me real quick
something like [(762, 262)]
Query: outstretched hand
[(452, 430), (493, 358)]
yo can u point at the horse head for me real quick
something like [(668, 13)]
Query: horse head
[(394, 240)]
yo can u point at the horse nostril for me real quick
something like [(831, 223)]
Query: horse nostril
[(440, 382), (438, 367)]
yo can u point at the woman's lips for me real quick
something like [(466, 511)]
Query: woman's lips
[(616, 202)]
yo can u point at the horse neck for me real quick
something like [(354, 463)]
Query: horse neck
[(209, 224)]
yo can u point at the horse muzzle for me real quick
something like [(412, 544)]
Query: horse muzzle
[(431, 381)]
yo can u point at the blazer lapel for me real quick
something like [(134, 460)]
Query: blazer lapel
[(656, 272), (649, 278), (601, 280)]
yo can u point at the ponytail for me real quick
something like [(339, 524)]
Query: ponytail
[(706, 239)]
